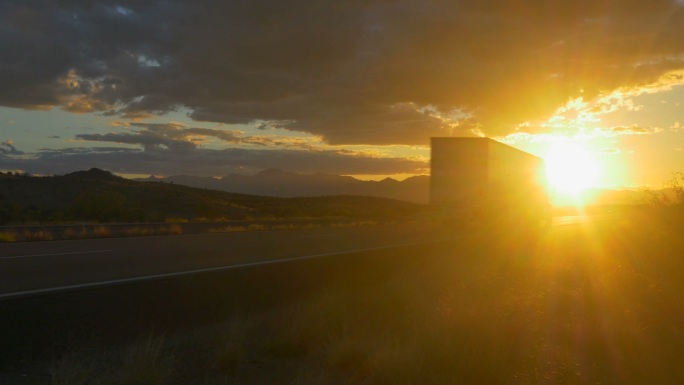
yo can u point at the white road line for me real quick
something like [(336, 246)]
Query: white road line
[(207, 270), (55, 254)]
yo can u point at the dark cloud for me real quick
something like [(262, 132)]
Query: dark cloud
[(205, 162), (352, 71), (178, 137), (7, 148)]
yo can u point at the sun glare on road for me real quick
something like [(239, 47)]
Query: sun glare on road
[(571, 169)]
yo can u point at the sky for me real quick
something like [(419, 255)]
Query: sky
[(213, 87)]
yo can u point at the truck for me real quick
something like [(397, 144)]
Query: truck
[(477, 180)]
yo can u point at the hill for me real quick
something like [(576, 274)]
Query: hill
[(97, 195)]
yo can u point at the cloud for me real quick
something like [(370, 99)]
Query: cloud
[(7, 148), (631, 130), (173, 148), (351, 72), (172, 136), (609, 151), (178, 137)]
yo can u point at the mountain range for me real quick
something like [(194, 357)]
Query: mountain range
[(279, 183)]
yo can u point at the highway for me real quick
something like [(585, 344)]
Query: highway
[(31, 268)]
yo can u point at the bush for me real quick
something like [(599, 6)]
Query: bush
[(7, 236)]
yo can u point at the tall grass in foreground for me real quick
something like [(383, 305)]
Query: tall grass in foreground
[(582, 305), (144, 362)]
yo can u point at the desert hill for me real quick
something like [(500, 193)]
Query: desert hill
[(98, 195)]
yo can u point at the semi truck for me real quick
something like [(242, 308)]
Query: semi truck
[(481, 181)]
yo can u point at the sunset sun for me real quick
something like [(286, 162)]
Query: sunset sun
[(571, 169)]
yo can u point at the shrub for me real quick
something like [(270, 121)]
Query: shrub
[(137, 231), (102, 232), (38, 235), (174, 229), (176, 220), (256, 227), (6, 236)]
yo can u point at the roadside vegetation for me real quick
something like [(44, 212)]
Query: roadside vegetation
[(668, 203), (85, 232), (290, 226), (29, 234), (595, 303)]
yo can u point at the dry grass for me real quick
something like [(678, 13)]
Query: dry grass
[(138, 231), (77, 234), (235, 228), (228, 229), (232, 345), (73, 369), (102, 232), (145, 231), (297, 226), (89, 232), (176, 220), (290, 226), (7, 236), (146, 363), (173, 227), (172, 230), (358, 223), (39, 235)]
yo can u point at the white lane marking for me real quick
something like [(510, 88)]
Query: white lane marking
[(55, 254), (207, 270)]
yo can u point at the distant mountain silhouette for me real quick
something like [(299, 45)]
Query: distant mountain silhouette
[(279, 183)]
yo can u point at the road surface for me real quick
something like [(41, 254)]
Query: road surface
[(36, 267)]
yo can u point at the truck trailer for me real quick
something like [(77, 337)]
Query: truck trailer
[(480, 180)]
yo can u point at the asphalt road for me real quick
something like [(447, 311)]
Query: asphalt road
[(31, 268), (38, 267)]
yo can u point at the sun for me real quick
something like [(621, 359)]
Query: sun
[(571, 169)]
